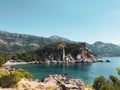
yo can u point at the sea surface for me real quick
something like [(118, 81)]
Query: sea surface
[(85, 71)]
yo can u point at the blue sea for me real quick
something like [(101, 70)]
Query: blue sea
[(85, 71)]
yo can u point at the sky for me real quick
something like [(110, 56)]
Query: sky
[(78, 20)]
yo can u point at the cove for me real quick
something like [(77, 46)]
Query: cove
[(85, 71)]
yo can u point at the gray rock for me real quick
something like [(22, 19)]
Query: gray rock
[(65, 83)]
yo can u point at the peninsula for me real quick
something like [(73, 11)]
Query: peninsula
[(58, 53)]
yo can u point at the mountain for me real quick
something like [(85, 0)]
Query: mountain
[(55, 38), (104, 49), (13, 42), (59, 52)]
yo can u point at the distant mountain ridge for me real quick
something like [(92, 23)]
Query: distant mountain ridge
[(56, 38), (104, 49), (13, 42)]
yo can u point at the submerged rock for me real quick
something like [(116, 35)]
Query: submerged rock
[(100, 61), (108, 61)]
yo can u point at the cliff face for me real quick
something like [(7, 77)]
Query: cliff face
[(61, 52)]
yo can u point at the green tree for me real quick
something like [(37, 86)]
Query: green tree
[(115, 82), (113, 79), (100, 83), (2, 59)]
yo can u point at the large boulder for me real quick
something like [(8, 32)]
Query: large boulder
[(65, 83)]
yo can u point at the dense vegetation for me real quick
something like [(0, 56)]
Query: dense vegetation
[(9, 79), (4, 58), (54, 52), (50, 51), (101, 83)]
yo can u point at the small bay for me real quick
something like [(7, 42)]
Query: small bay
[(85, 71)]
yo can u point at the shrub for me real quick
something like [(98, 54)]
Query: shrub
[(49, 88), (118, 70), (89, 86), (101, 83), (12, 78)]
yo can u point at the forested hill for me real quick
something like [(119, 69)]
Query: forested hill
[(59, 52)]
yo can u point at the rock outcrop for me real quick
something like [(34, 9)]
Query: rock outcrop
[(65, 83), (52, 82), (61, 52)]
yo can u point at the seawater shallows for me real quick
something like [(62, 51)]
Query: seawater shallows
[(85, 71)]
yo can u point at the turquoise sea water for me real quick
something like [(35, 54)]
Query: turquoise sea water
[(86, 71)]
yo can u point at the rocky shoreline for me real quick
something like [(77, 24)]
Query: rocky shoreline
[(11, 62), (65, 83), (52, 82)]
